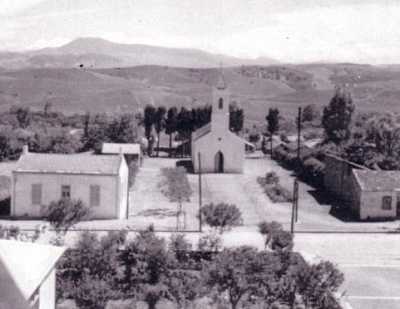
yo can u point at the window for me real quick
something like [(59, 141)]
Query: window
[(387, 202), (36, 194), (94, 195), (65, 191), (220, 103)]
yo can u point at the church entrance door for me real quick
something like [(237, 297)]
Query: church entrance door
[(219, 162)]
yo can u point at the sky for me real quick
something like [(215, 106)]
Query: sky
[(362, 31)]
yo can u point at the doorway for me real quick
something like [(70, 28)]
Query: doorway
[(219, 162)]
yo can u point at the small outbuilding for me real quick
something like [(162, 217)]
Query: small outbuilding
[(100, 182), (27, 275), (376, 194), (130, 151)]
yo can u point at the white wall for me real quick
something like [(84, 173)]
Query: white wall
[(47, 293), (123, 190), (209, 145), (21, 203), (371, 205)]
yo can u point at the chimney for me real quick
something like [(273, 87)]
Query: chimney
[(25, 149)]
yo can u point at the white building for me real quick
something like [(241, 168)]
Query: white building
[(100, 182), (221, 151), (27, 275), (131, 151)]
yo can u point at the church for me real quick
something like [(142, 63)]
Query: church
[(220, 150)]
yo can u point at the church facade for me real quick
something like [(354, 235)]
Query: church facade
[(220, 150)]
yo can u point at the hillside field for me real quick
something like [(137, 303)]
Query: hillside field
[(255, 88)]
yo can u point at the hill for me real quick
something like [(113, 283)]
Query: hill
[(99, 53), (255, 88)]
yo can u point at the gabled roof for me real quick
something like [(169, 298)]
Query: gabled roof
[(116, 148), (204, 130), (23, 268), (370, 180), (69, 163)]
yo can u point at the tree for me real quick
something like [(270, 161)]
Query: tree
[(148, 121), (276, 238), (23, 115), (336, 118), (384, 132), (171, 124), (221, 216), (272, 122), (309, 113), (176, 187), (47, 108), (159, 124), (184, 286), (89, 272), (238, 272), (185, 127), (317, 283), (145, 268), (236, 118), (65, 213)]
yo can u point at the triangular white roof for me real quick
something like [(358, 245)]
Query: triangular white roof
[(24, 266)]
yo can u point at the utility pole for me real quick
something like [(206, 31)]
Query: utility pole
[(200, 195), (296, 200), (298, 133), (296, 183)]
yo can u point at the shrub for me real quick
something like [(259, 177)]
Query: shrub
[(271, 178), (64, 213), (278, 194), (221, 216)]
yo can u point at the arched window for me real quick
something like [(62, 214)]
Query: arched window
[(220, 103)]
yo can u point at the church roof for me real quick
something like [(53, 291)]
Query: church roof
[(204, 130)]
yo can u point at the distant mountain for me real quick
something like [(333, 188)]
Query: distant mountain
[(255, 88), (99, 53)]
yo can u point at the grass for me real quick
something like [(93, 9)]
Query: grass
[(129, 89)]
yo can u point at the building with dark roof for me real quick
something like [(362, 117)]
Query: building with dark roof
[(100, 182)]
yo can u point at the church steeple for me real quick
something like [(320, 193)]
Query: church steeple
[(220, 106)]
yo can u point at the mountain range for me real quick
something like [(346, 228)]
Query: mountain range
[(100, 53), (97, 75)]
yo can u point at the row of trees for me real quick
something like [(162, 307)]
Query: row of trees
[(183, 122), (54, 132), (150, 269)]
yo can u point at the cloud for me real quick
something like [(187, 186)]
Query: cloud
[(11, 7)]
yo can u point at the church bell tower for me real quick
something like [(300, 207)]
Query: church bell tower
[(220, 105)]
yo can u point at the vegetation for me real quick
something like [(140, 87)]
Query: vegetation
[(275, 191), (221, 216), (175, 185), (337, 115), (65, 213), (147, 269), (272, 123)]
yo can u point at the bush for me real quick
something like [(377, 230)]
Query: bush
[(221, 216), (271, 178), (64, 213), (278, 194)]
